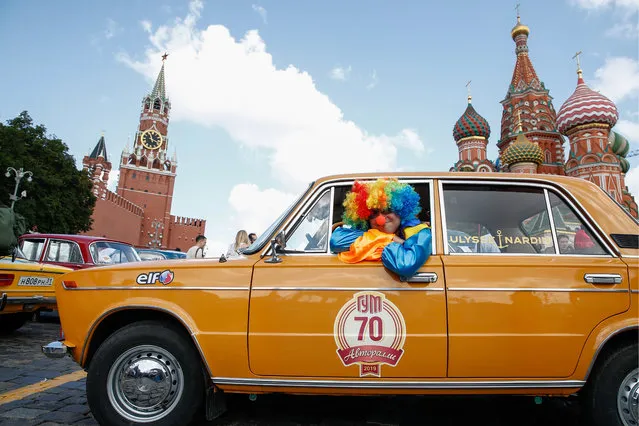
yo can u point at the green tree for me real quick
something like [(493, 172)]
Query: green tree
[(59, 198)]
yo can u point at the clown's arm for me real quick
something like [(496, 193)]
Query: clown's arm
[(342, 238), (405, 259)]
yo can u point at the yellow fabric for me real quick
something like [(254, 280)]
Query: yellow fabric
[(367, 247), (410, 231)]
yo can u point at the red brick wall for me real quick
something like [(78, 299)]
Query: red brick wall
[(183, 231), (115, 217)]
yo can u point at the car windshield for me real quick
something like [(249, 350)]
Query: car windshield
[(266, 235), (110, 252)]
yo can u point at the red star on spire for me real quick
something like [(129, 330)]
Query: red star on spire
[(164, 56)]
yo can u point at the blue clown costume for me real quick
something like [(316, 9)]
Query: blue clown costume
[(358, 242)]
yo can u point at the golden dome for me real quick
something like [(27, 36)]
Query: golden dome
[(519, 29)]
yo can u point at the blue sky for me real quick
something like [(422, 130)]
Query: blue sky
[(267, 94)]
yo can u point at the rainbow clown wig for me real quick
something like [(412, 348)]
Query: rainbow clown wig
[(382, 195)]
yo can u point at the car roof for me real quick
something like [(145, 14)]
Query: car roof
[(72, 237)]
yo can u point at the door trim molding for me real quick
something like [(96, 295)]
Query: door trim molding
[(395, 384), (542, 289)]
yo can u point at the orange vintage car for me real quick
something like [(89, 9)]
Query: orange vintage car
[(26, 288), (531, 287)]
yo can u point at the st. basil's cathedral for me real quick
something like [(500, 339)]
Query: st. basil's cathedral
[(531, 138)]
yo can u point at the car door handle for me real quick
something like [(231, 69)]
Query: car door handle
[(422, 277), (603, 278)]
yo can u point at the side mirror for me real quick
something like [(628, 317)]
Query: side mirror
[(277, 243), (14, 254)]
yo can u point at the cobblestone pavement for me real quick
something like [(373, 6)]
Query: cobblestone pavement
[(22, 364)]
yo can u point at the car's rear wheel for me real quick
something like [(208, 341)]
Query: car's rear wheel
[(146, 372), (612, 396), (11, 322)]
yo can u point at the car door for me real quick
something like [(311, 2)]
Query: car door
[(311, 315), (64, 253), (520, 305)]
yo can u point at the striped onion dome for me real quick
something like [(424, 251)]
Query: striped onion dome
[(585, 106), (471, 124), (618, 144), (522, 150)]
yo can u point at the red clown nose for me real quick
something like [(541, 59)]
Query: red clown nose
[(380, 220)]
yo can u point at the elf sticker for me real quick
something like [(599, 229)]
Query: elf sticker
[(369, 331)]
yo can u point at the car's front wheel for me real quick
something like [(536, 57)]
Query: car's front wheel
[(612, 397), (146, 372)]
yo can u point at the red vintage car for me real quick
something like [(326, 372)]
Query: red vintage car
[(76, 251)]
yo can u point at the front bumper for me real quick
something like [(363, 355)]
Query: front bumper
[(29, 302), (55, 349)]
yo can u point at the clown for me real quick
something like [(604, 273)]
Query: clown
[(383, 224)]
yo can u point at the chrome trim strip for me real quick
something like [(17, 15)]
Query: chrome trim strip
[(596, 355), (551, 219), (155, 287), (442, 209), (151, 308), (634, 291), (392, 384), (31, 299), (433, 225), (533, 289), (346, 289), (603, 278)]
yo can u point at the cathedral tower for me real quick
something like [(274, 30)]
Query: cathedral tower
[(147, 174), (98, 166), (528, 95), (586, 118), (471, 134)]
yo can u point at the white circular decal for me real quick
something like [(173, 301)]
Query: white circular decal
[(369, 331)]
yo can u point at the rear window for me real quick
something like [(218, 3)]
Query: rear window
[(109, 252), (32, 248)]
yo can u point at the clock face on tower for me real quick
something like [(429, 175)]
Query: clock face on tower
[(151, 139)]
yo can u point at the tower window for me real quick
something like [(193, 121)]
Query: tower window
[(157, 105), (146, 190), (147, 177), (133, 175)]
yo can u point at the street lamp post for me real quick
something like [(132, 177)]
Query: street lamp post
[(156, 235), (19, 175)]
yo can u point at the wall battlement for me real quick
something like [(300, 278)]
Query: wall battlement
[(124, 203), (187, 221)]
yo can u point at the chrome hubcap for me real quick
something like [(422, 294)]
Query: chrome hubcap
[(145, 383), (628, 399)]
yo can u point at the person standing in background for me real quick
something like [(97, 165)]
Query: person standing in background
[(197, 251)]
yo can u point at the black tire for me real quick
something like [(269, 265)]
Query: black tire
[(600, 394), (138, 339), (11, 322)]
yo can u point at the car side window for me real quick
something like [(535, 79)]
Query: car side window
[(63, 251), (573, 237), (32, 248), (311, 233), (490, 219)]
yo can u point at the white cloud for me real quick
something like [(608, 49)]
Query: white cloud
[(112, 29), (253, 210), (618, 78), (374, 80), (340, 73), (632, 181), (629, 129), (112, 183), (216, 80), (624, 29), (146, 26), (260, 11), (599, 4)]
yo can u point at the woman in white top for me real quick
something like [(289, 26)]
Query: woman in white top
[(241, 242)]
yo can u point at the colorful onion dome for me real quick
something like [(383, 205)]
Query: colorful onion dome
[(618, 144), (522, 151), (519, 29), (471, 124), (585, 106), (625, 164)]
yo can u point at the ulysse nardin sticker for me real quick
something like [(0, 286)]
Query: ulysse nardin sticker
[(165, 277), (369, 331)]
